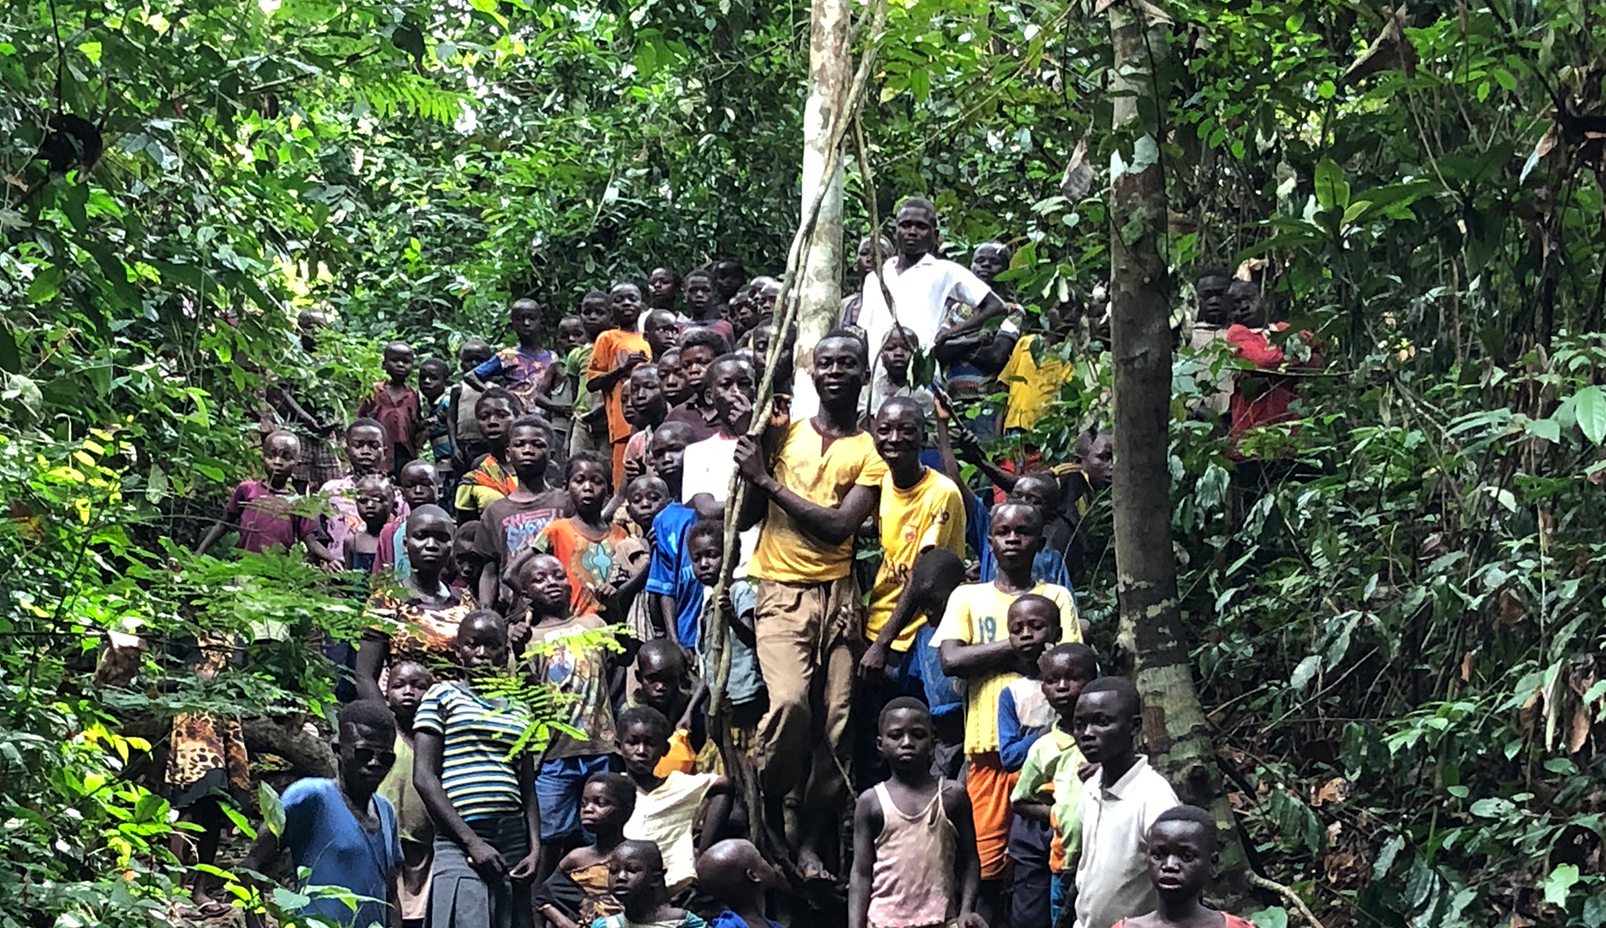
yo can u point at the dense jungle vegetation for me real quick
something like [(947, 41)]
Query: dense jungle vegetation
[(1398, 642)]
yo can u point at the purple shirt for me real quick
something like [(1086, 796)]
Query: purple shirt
[(263, 514)]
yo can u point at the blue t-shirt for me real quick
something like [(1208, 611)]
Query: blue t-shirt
[(1047, 567), (325, 837), (729, 919), (670, 573)]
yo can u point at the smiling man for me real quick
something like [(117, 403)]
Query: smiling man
[(826, 479)]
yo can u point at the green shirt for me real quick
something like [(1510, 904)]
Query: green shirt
[(1050, 775)]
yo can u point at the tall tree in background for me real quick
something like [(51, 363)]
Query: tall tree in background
[(1140, 326)]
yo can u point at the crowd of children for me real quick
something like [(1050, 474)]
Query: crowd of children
[(558, 516)]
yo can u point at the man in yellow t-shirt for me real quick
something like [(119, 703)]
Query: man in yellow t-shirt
[(973, 642), (826, 480)]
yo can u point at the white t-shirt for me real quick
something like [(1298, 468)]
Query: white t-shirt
[(1112, 876), (921, 295), (707, 468)]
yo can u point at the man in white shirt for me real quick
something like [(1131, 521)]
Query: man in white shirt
[(921, 285), (705, 482)]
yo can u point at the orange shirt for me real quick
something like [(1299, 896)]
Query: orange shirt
[(588, 563), (609, 352)]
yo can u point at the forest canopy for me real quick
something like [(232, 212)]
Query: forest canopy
[(1398, 645)]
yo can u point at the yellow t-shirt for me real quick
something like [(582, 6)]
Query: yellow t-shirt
[(978, 614), (929, 514), (1031, 386), (820, 475)]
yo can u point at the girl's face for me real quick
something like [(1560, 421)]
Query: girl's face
[(482, 646), (429, 540), (571, 334), (599, 806), (645, 500), (706, 558), (589, 487), (406, 687), (418, 485), (494, 416), (375, 502)]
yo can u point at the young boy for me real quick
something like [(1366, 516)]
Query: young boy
[(523, 365), (570, 662), (637, 878), (668, 808), (376, 502), (663, 287), (555, 394), (590, 415), (396, 406), (645, 408), (1023, 715), (914, 854), (417, 489), (616, 353), (606, 804), (973, 643), (730, 385), (663, 683), (340, 829), (404, 690), (467, 442), (488, 481), (672, 379), (701, 302), (1182, 860), (744, 688), (436, 409), (699, 348), (645, 497), (584, 542), (1118, 809), (365, 449), (892, 373), (1050, 784), (260, 509), (673, 593), (510, 524), (738, 877)]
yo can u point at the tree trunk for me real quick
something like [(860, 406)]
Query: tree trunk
[(1174, 726), (819, 282)]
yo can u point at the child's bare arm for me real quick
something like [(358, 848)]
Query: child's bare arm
[(320, 552), (372, 653), (526, 868), (967, 865), (490, 583), (1031, 808), (866, 826), (665, 613), (718, 815), (215, 533), (973, 660)]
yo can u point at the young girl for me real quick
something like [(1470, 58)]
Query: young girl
[(667, 808), (606, 805), (584, 543), (488, 826), (260, 509), (636, 878), (375, 504), (404, 691)]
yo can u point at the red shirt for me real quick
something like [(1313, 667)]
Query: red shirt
[(398, 416), (1262, 397)]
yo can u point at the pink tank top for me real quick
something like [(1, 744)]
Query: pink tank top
[(912, 884)]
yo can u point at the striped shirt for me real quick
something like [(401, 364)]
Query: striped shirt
[(478, 736)]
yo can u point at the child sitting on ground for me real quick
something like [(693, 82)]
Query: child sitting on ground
[(341, 830), (1182, 860), (668, 808), (914, 850), (1112, 881), (404, 690), (636, 877), (1050, 784), (261, 509), (738, 877), (577, 894)]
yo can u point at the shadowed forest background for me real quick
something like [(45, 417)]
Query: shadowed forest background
[(1398, 644)]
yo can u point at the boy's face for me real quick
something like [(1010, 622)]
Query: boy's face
[(707, 557), (672, 378), (366, 756), (631, 877), (571, 334), (905, 740), (661, 287), (1214, 307), (645, 500), (695, 360), (988, 262), (494, 416), (728, 279), (1032, 629), (599, 806), (646, 394), (661, 679), (624, 303), (398, 362), (1041, 491), (730, 391), (472, 356), (365, 447), (405, 688), (898, 429), (864, 262), (668, 455), (641, 749), (481, 647), (525, 318), (527, 449), (916, 231), (545, 583), (1016, 535), (429, 540), (418, 484), (594, 317), (1098, 460), (1181, 858), (432, 380), (588, 485), (374, 502), (1101, 727), (1063, 680), (896, 356), (699, 294), (838, 370), (662, 332), (743, 314), (279, 456)]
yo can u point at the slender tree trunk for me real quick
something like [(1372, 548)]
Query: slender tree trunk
[(1174, 725), (819, 282)]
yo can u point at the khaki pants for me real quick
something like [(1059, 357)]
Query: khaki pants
[(807, 634)]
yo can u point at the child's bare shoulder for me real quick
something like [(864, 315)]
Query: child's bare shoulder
[(955, 800), (580, 857)]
